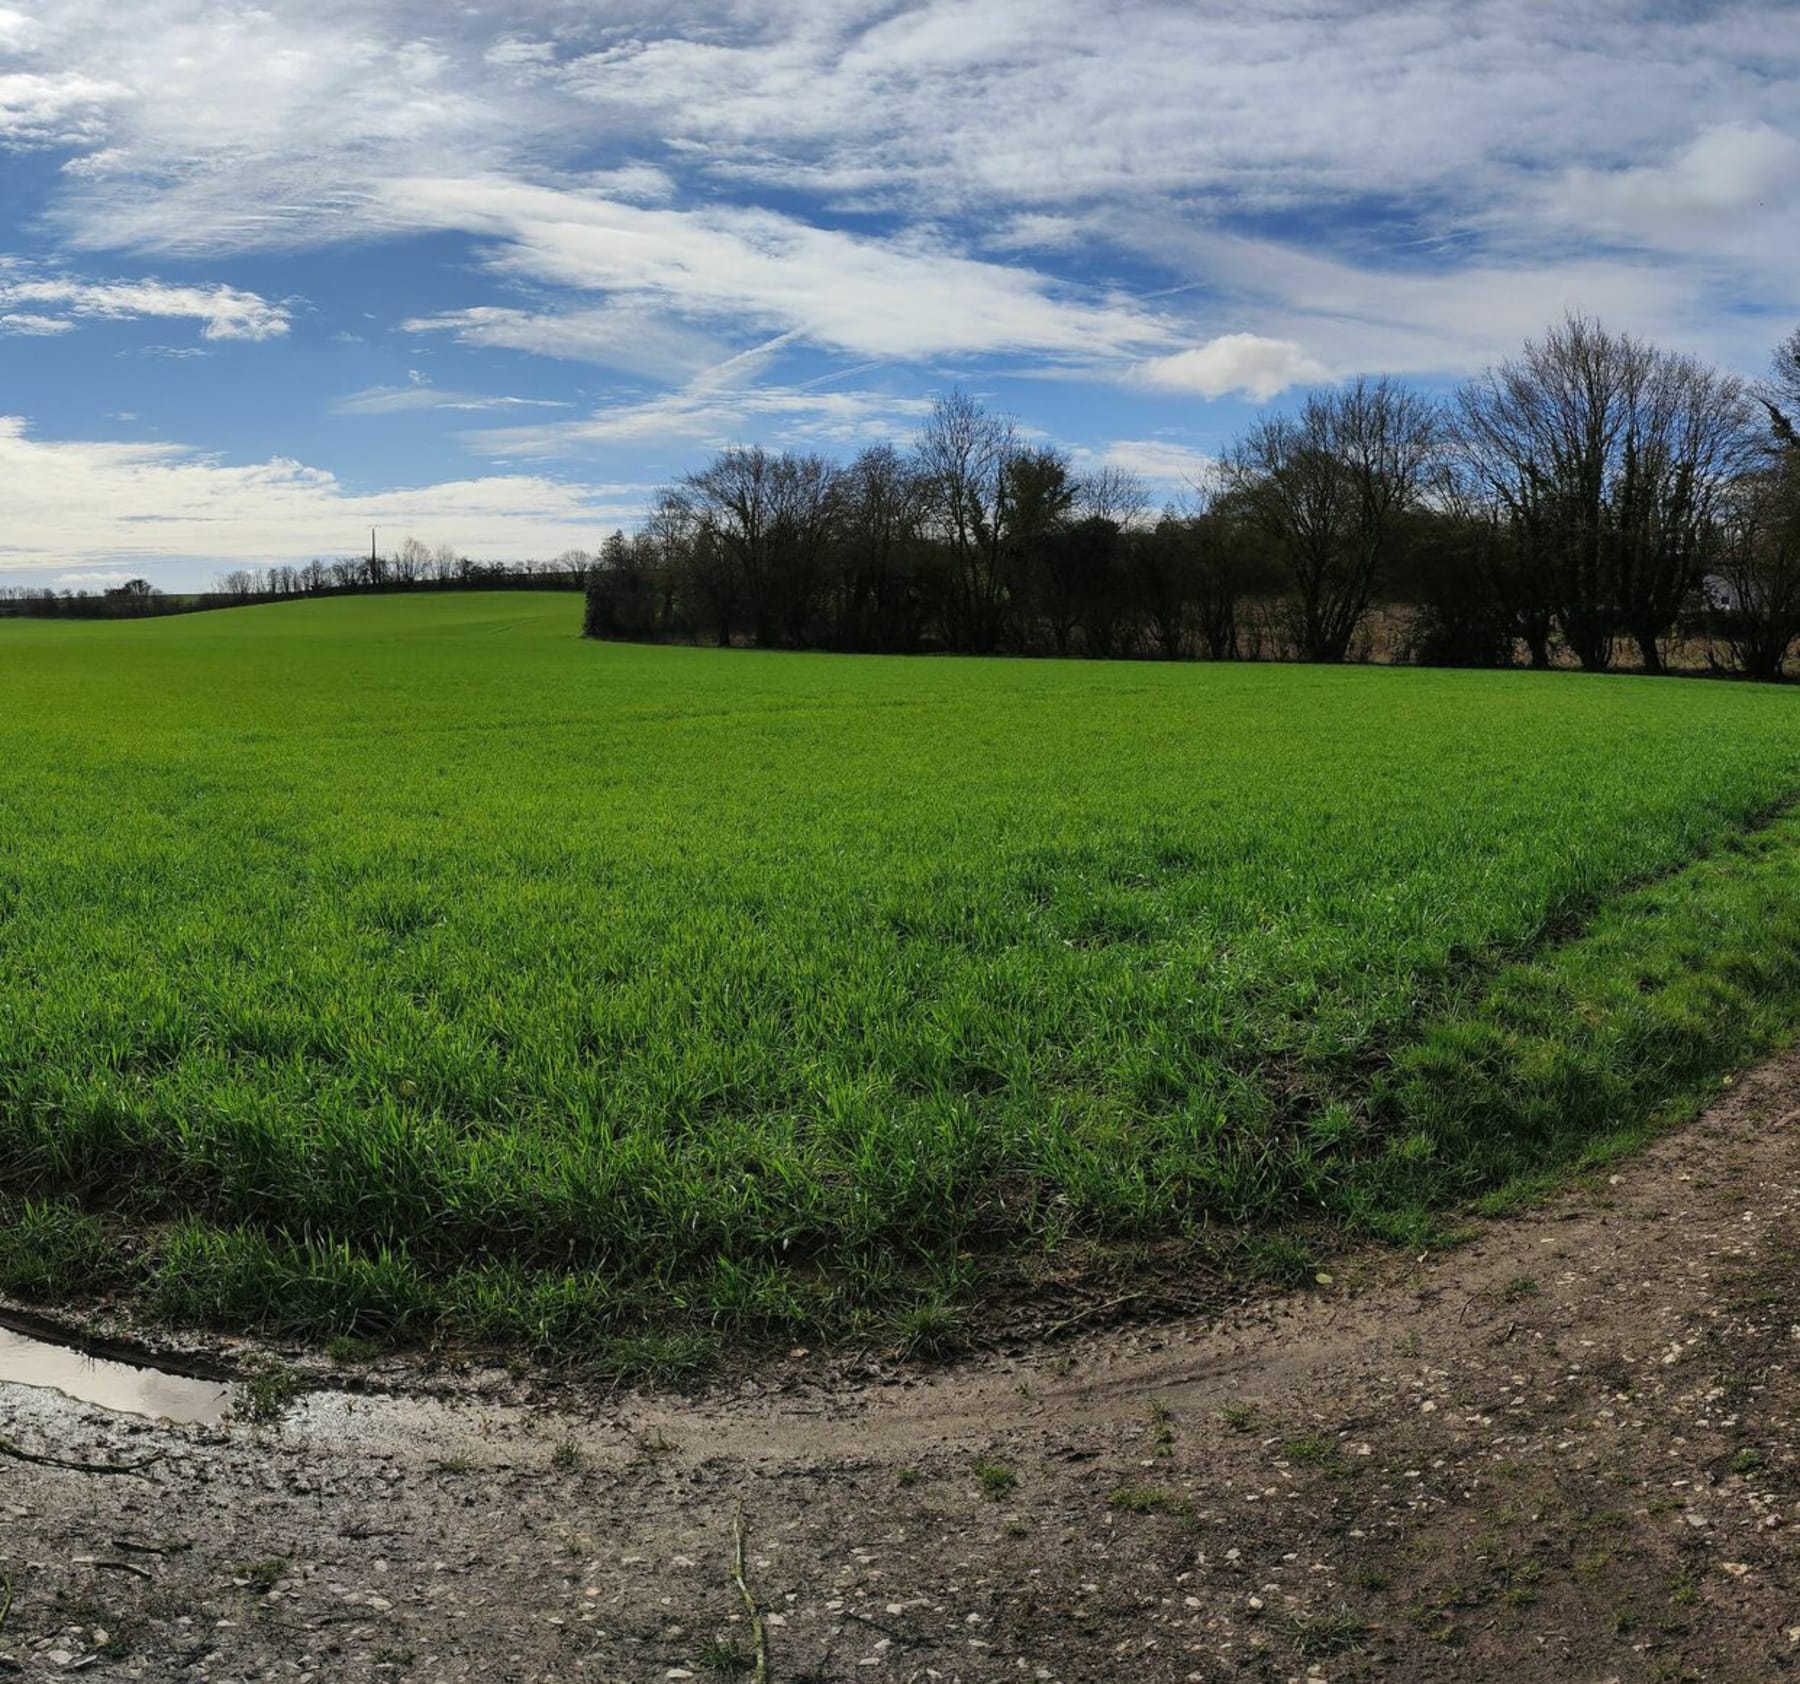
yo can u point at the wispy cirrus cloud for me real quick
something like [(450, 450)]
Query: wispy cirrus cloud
[(54, 303), (711, 420), (33, 325), (635, 337), (907, 298), (419, 393), (726, 404), (1429, 318), (940, 103), (1165, 465)]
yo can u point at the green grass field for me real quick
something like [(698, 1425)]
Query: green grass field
[(406, 964)]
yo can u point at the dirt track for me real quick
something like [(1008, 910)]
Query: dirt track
[(1565, 1451)]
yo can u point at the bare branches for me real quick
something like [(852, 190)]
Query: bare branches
[(1114, 494), (8, 1448), (1328, 488), (963, 457), (759, 1631), (1609, 457), (1755, 587), (768, 518)]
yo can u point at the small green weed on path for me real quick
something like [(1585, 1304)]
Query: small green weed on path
[(996, 1479)]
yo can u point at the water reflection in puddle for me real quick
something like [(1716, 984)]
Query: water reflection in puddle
[(123, 1386)]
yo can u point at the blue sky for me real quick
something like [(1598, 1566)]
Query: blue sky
[(487, 274)]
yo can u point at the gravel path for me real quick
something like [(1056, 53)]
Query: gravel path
[(1566, 1450)]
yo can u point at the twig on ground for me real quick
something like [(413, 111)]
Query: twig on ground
[(1089, 1313), (315, 1625), (180, 1547), (890, 1632), (124, 1567), (5, 1601), (759, 1631), (8, 1448)]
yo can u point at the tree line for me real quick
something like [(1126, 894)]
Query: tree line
[(413, 566), (1595, 499)]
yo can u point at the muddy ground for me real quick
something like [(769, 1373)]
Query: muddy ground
[(1566, 1450)]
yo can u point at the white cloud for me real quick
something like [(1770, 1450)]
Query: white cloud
[(618, 334), (62, 108), (712, 417), (940, 105), (979, 101), (1441, 320), (82, 504), (419, 393), (92, 578), (1161, 462), (1037, 231), (225, 312), (24, 322), (902, 298), (1258, 367), (510, 51), (1728, 173)]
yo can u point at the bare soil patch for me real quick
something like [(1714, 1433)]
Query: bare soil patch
[(1566, 1450)]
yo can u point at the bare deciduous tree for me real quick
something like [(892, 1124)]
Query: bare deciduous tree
[(411, 562), (729, 505), (1609, 457), (1115, 494), (1755, 582), (770, 516), (1781, 396), (1329, 488), (962, 458), (805, 502), (878, 526)]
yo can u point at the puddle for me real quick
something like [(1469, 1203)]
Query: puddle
[(123, 1386)]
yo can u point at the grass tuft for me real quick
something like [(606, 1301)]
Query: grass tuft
[(265, 1393), (725, 1659), (929, 1331), (51, 1249), (1147, 1499), (996, 1479)]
